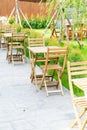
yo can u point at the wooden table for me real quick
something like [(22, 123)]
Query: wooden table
[(38, 50), (13, 42), (33, 60), (6, 35), (81, 83)]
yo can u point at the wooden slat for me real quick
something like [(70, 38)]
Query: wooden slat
[(36, 42), (78, 63), (79, 73), (79, 68), (54, 91)]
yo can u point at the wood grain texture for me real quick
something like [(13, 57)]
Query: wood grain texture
[(28, 7)]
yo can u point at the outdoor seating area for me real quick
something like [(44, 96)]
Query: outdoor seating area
[(17, 43), (14, 43), (71, 32), (47, 60), (43, 65), (51, 55), (21, 107)]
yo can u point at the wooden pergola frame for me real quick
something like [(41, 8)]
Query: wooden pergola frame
[(17, 12)]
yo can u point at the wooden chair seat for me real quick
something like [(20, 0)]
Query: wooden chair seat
[(52, 67), (41, 59)]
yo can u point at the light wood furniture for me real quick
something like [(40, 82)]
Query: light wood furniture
[(78, 31), (36, 42), (7, 37), (16, 48), (35, 53), (2, 40), (54, 32), (52, 64), (5, 29), (69, 31), (77, 75), (36, 58)]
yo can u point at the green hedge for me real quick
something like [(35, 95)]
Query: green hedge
[(37, 22)]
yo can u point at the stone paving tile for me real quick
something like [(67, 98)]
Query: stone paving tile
[(22, 125), (6, 126)]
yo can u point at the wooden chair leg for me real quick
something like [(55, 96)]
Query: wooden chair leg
[(46, 87), (32, 70), (83, 124), (35, 81), (23, 59), (42, 80), (33, 74), (60, 84), (80, 115), (77, 116)]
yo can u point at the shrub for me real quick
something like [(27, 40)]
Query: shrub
[(17, 26), (32, 22), (74, 55), (24, 24), (12, 20), (18, 29), (38, 22)]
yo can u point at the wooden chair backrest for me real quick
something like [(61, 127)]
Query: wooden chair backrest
[(76, 70), (36, 42), (18, 37), (55, 53), (18, 40)]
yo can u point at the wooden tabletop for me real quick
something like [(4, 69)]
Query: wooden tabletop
[(7, 35), (81, 83), (36, 50)]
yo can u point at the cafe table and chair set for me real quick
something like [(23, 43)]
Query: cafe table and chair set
[(52, 62), (50, 66)]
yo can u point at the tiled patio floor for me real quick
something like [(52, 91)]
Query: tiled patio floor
[(22, 108)]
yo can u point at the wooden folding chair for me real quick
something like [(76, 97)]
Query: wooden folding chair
[(78, 31), (54, 55), (54, 32), (36, 42), (17, 48), (77, 76), (69, 32)]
